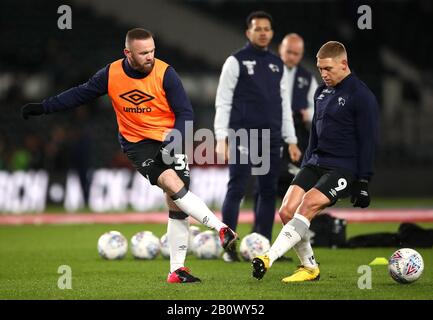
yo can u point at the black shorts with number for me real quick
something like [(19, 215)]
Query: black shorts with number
[(148, 159), (334, 183)]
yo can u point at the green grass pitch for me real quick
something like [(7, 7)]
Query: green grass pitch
[(31, 255)]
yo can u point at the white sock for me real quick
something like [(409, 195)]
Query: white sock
[(177, 238), (289, 236), (196, 208), (304, 251)]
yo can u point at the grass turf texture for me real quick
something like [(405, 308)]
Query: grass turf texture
[(30, 257)]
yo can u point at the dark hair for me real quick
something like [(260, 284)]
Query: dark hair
[(258, 15), (138, 34)]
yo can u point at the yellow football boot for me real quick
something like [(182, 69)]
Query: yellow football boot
[(303, 274), (260, 265)]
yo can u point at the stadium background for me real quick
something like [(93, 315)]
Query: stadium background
[(38, 60), (50, 164)]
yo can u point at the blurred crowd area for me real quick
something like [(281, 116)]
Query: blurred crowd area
[(38, 60)]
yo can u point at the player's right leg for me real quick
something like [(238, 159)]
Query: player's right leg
[(312, 203), (291, 202), (292, 233), (192, 205), (289, 236), (333, 184), (142, 155), (303, 248), (178, 237), (300, 185), (148, 160), (167, 171), (303, 181)]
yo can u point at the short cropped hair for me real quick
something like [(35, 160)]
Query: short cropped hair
[(331, 49), (258, 15), (138, 34)]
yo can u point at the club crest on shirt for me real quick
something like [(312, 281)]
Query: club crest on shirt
[(274, 67), (341, 101), (302, 82)]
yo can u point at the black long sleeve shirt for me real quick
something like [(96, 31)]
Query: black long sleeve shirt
[(344, 130), (97, 86)]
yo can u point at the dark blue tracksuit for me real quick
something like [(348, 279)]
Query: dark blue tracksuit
[(345, 128), (256, 104)]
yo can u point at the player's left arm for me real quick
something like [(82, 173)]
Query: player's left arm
[(367, 116), (178, 101)]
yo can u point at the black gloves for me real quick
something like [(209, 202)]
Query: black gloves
[(360, 195), (32, 109)]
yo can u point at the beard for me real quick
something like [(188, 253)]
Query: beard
[(145, 67)]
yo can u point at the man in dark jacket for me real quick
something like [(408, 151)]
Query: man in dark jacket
[(339, 158)]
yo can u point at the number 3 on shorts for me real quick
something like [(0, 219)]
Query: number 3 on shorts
[(342, 183), (181, 162)]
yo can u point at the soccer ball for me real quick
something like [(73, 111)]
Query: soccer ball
[(253, 245), (405, 265), (165, 251), (193, 231), (207, 245), (145, 245), (112, 245)]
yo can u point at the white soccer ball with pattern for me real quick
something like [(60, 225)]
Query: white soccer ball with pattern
[(112, 245), (193, 232), (405, 265), (207, 245), (165, 251), (253, 245), (145, 245)]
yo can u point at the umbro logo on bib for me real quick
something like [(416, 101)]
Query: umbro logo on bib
[(136, 97)]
